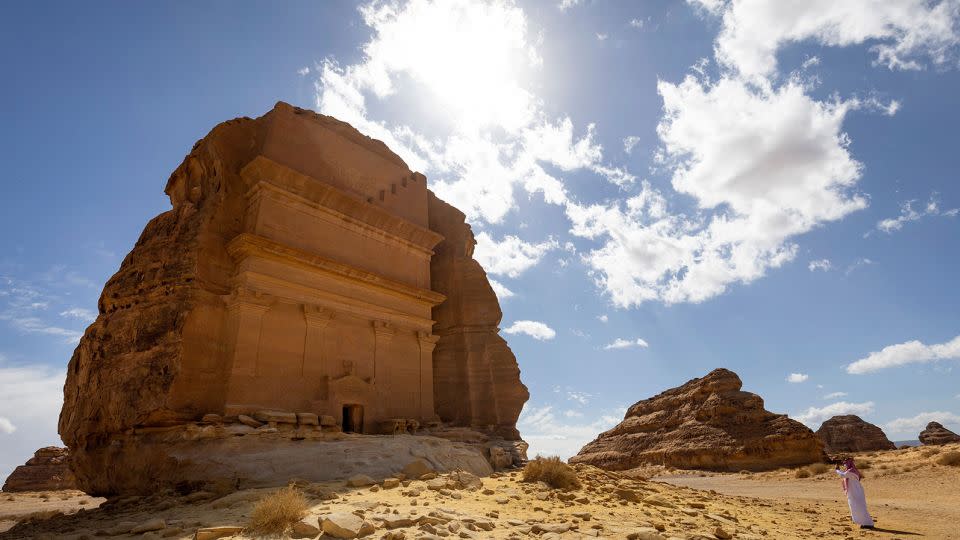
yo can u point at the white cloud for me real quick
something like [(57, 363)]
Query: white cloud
[(901, 354), (603, 318), (908, 213), (81, 314), (903, 34), (911, 427), (857, 264), (33, 325), (30, 401), (582, 398), (621, 343), (501, 290), (797, 377), (820, 264), (552, 436), (601, 36), (814, 416), (810, 62), (510, 256), (536, 330), (570, 413), (636, 23), (763, 165), (305, 70), (493, 134), (567, 4), (629, 142), (835, 395)]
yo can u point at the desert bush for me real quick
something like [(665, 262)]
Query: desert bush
[(818, 468), (746, 472), (883, 466), (802, 473), (951, 459), (551, 470), (864, 465), (927, 452), (275, 512)]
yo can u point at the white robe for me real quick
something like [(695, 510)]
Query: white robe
[(856, 499)]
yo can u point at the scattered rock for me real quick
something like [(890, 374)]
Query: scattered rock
[(213, 533), (246, 420), (360, 480), (308, 419), (304, 529), (416, 469), (279, 417), (155, 524)]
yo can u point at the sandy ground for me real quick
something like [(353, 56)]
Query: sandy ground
[(909, 494)]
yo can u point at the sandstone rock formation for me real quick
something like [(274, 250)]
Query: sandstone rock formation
[(849, 433), (935, 433), (707, 423), (293, 288), (47, 470)]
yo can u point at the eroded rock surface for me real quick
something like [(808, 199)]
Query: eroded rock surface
[(935, 433), (850, 433), (708, 423), (47, 470), (292, 290)]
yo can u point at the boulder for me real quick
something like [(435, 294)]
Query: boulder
[(47, 470), (345, 525), (707, 423), (849, 433), (280, 417), (308, 419), (935, 433)]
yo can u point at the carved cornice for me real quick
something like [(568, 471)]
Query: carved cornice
[(247, 299), (266, 175), (317, 316), (383, 330), (247, 245)]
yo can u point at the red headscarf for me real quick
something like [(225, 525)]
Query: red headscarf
[(848, 463)]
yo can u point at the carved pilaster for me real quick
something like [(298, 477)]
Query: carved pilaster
[(245, 311), (382, 334), (317, 319), (427, 343)]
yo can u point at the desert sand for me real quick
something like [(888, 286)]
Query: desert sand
[(908, 492)]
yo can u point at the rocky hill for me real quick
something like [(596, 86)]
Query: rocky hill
[(47, 470), (935, 433), (707, 423), (850, 433)]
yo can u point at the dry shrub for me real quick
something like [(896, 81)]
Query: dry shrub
[(275, 512), (863, 466), (883, 467), (951, 459), (927, 452), (746, 472), (802, 473), (818, 468), (551, 470)]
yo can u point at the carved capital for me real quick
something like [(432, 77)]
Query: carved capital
[(383, 330), (248, 301), (317, 316)]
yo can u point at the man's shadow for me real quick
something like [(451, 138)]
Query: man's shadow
[(893, 531)]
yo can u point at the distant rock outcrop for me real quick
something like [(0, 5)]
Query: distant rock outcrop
[(47, 470), (935, 433), (850, 433), (707, 423)]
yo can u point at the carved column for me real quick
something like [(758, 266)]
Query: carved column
[(245, 311), (317, 319), (427, 343), (382, 334)]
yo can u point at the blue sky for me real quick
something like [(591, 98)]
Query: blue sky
[(658, 188)]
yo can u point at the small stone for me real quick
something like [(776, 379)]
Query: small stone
[(720, 533), (308, 419), (345, 525), (304, 529), (645, 533), (627, 494), (279, 417), (360, 480), (390, 483), (246, 420), (212, 533), (657, 500), (150, 525)]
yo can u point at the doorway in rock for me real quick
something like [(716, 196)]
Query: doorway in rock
[(353, 419)]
